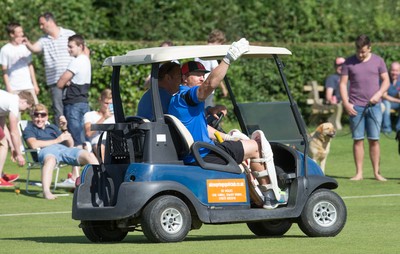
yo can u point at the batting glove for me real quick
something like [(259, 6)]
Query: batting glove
[(236, 50)]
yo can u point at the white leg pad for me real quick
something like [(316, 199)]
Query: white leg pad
[(268, 159), (259, 174), (255, 192), (263, 188), (238, 135)]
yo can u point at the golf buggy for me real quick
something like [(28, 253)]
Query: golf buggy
[(144, 185)]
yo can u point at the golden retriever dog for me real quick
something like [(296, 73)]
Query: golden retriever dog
[(320, 143)]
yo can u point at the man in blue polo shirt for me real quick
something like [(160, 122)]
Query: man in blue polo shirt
[(170, 78), (188, 106)]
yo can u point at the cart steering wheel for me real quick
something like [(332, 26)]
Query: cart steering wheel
[(215, 123)]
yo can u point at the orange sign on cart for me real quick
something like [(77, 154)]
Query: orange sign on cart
[(226, 190)]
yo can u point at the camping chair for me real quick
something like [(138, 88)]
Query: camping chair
[(31, 158)]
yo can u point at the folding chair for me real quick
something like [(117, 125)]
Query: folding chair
[(31, 158)]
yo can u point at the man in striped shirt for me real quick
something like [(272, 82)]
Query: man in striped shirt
[(54, 46)]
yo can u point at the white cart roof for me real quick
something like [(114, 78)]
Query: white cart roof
[(164, 54)]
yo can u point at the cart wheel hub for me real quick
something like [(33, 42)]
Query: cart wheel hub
[(171, 220), (325, 214)]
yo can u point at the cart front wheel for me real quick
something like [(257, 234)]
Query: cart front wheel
[(324, 214)]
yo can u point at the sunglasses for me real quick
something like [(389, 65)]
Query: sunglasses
[(40, 114)]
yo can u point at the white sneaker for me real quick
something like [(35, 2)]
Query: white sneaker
[(69, 183)]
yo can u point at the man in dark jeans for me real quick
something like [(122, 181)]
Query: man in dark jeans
[(75, 82)]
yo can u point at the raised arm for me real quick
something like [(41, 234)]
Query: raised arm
[(35, 48), (217, 75), (212, 81)]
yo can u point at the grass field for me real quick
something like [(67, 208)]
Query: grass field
[(30, 224)]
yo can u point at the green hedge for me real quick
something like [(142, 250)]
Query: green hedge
[(251, 80), (184, 20)]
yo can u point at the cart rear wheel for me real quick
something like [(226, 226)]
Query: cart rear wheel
[(270, 228), (103, 231), (166, 219)]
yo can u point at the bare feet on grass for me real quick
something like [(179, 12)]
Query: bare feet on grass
[(380, 178), (49, 196), (377, 177), (356, 178)]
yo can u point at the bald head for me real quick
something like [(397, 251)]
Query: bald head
[(394, 71)]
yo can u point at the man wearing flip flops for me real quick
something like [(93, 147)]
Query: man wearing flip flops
[(188, 106)]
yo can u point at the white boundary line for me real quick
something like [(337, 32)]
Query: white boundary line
[(67, 212), (29, 214), (372, 196)]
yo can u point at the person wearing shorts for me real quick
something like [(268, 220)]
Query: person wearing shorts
[(369, 80), (233, 148), (367, 119), (188, 106), (55, 146)]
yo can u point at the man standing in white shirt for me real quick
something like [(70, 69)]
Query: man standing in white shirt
[(16, 61)]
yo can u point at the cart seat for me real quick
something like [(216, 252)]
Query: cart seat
[(182, 138), (184, 144)]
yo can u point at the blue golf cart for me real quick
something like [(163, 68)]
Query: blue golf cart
[(143, 184)]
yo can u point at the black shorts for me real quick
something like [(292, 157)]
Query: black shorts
[(233, 148)]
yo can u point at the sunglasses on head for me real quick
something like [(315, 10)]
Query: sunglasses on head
[(40, 114)]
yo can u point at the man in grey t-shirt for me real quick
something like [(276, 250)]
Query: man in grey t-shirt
[(369, 80)]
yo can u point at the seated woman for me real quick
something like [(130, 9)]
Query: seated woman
[(56, 146)]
